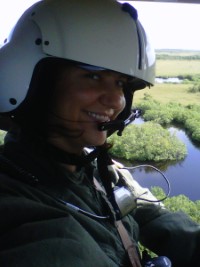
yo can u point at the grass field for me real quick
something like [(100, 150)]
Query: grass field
[(172, 68), (165, 93)]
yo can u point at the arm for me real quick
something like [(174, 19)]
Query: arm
[(166, 233), (170, 234), (35, 231)]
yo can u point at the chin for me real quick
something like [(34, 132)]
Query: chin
[(98, 141), (94, 137), (93, 144)]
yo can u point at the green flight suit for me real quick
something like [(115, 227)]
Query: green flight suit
[(37, 229)]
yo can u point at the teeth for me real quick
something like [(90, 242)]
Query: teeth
[(98, 117)]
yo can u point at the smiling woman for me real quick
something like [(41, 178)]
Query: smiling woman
[(92, 97), (67, 68)]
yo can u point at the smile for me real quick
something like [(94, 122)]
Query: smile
[(98, 117)]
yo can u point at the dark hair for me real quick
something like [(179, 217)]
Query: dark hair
[(32, 113)]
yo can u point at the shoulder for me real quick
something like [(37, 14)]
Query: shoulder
[(126, 178)]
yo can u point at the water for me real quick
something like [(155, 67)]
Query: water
[(184, 176), (168, 80)]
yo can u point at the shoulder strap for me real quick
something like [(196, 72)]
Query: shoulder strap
[(126, 240), (9, 167), (128, 244)]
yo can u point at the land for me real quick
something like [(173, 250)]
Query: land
[(175, 63), (165, 93)]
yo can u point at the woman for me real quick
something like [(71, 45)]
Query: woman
[(68, 74)]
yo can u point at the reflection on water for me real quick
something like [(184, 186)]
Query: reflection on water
[(168, 80), (184, 176)]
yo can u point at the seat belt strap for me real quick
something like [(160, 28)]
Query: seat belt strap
[(125, 238), (128, 244)]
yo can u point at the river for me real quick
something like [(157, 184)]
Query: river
[(184, 176)]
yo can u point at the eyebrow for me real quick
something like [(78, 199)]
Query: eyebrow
[(120, 75)]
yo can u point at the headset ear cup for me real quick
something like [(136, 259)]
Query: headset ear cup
[(127, 110), (132, 86)]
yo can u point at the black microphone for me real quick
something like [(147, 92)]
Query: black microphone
[(117, 124), (110, 125)]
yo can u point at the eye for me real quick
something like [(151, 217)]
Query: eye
[(121, 83), (93, 76)]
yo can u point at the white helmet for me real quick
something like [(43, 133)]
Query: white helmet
[(101, 33)]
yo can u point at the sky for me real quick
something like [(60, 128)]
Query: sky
[(169, 25)]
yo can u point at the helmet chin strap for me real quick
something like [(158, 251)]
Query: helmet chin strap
[(117, 125)]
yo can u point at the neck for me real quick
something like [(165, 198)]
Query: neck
[(68, 146), (68, 167)]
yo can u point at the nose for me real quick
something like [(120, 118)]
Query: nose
[(113, 96)]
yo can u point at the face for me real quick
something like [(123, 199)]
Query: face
[(81, 101)]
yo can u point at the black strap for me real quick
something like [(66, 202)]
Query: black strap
[(69, 158), (9, 167)]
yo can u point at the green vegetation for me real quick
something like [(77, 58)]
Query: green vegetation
[(165, 104), (147, 142), (195, 88), (180, 203), (173, 113), (164, 93), (175, 103), (181, 64), (183, 67), (177, 54), (150, 141), (174, 63)]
